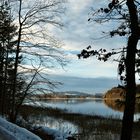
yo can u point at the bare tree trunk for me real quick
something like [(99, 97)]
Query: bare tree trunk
[(1, 82), (13, 116), (127, 123)]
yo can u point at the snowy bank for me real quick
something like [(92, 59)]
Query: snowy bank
[(54, 134), (10, 131)]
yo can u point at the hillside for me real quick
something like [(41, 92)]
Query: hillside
[(115, 93), (119, 93)]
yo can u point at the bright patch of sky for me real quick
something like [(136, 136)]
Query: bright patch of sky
[(78, 33)]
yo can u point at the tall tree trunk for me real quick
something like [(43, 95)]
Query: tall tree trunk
[(1, 81), (127, 123), (13, 112)]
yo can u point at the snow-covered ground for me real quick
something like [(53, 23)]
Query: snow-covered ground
[(10, 131), (55, 133)]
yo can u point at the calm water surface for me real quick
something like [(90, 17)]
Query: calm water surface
[(87, 106)]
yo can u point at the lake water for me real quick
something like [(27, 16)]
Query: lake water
[(87, 106), (82, 106)]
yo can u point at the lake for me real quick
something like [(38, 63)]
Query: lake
[(89, 107), (88, 128)]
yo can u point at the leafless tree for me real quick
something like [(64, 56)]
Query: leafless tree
[(37, 47)]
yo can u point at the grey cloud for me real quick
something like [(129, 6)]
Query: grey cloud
[(78, 33), (88, 85)]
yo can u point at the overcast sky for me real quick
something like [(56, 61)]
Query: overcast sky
[(86, 75), (78, 33)]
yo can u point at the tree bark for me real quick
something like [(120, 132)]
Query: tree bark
[(128, 117), (13, 112)]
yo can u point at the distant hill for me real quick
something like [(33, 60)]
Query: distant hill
[(72, 93), (77, 93), (119, 93)]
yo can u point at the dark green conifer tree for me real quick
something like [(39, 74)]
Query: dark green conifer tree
[(8, 32)]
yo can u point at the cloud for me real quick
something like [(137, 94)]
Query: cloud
[(88, 68), (87, 85), (75, 21), (78, 33)]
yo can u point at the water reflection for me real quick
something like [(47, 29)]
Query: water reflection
[(69, 100), (86, 129), (86, 106), (105, 108), (118, 105)]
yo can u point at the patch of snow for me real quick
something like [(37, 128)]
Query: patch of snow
[(55, 133), (10, 131), (6, 135)]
